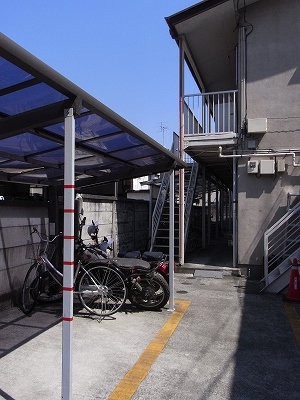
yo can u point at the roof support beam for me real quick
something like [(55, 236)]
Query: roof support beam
[(29, 120), (129, 173)]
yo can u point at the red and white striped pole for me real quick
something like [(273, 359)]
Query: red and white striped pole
[(68, 255)]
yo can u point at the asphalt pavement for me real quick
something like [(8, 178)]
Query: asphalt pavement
[(225, 340)]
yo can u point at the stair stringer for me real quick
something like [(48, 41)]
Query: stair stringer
[(279, 278)]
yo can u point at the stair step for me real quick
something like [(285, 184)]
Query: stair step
[(163, 227)]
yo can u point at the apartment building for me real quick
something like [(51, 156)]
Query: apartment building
[(242, 126)]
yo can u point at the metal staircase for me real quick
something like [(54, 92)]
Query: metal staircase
[(160, 217), (281, 245)]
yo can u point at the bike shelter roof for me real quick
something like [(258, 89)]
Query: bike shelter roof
[(33, 100)]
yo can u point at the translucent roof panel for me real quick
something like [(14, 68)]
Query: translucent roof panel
[(26, 144), (11, 74), (29, 98), (33, 102), (113, 143), (87, 127)]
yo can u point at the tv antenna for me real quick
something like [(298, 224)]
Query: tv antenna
[(162, 129)]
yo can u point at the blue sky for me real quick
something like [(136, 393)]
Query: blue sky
[(119, 51)]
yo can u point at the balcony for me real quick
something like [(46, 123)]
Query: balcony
[(210, 121)]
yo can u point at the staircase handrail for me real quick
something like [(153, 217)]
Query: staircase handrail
[(189, 198), (159, 204), (292, 211), (278, 241)]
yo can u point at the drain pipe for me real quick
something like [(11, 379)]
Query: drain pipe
[(264, 154)]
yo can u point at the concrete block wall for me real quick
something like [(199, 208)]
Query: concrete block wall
[(16, 223), (125, 221), (131, 223)]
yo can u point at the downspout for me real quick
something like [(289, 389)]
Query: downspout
[(241, 122), (181, 151)]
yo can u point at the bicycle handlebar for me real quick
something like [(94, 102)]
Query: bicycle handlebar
[(47, 237)]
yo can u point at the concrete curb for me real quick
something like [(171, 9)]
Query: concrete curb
[(207, 271)]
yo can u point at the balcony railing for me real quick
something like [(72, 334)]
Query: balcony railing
[(214, 112)]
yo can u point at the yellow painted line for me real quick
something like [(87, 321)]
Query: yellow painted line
[(131, 381), (294, 319)]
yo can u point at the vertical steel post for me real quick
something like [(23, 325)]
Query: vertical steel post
[(217, 212), (171, 242), (234, 213), (68, 255), (181, 151), (208, 209), (203, 213)]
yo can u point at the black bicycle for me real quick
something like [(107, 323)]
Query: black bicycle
[(100, 287)]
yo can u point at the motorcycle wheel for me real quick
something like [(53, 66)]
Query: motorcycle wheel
[(154, 295)]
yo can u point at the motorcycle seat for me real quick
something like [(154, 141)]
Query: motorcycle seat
[(152, 256), (100, 261), (130, 254), (131, 263)]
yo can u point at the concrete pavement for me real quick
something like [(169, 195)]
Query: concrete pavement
[(231, 343)]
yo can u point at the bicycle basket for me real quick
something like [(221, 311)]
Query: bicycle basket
[(34, 250)]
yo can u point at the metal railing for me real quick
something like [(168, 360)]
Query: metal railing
[(281, 240), (162, 196), (189, 197), (213, 112), (159, 205)]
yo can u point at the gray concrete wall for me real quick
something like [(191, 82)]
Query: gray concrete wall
[(273, 92), (126, 221), (16, 223)]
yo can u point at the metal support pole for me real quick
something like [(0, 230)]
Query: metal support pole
[(222, 210), (150, 208), (68, 254), (217, 212), (203, 222), (226, 209), (208, 210), (181, 152), (234, 215), (171, 242)]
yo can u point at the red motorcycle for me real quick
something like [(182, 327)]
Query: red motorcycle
[(145, 279), (156, 259)]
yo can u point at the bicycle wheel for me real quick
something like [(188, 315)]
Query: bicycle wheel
[(192, 242), (31, 287), (102, 290), (49, 291)]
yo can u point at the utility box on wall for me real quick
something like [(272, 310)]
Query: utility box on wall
[(252, 167), (263, 167), (257, 125), (267, 166)]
